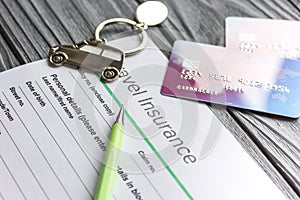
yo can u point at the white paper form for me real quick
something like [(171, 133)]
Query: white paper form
[(54, 125)]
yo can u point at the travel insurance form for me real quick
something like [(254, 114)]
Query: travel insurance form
[(55, 124)]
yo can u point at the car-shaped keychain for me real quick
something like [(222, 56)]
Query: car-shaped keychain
[(92, 55)]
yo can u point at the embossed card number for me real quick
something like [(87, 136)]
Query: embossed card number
[(196, 75)]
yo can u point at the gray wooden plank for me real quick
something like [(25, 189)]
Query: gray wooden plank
[(12, 31), (7, 58), (267, 133), (32, 26)]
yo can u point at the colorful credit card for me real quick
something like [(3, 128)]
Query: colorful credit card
[(277, 37), (215, 74)]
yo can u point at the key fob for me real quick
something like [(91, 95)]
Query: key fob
[(92, 55)]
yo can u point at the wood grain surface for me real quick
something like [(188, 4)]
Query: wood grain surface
[(29, 27)]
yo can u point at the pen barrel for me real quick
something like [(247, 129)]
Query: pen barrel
[(108, 173)]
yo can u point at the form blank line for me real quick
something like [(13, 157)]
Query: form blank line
[(67, 159), (23, 158), (38, 147), (146, 177), (68, 129), (12, 176)]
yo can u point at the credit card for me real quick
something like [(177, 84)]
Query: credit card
[(277, 37), (213, 74)]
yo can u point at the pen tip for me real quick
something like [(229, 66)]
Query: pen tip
[(120, 117)]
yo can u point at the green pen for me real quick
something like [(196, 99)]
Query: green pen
[(108, 174)]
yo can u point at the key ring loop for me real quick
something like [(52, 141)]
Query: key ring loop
[(140, 26)]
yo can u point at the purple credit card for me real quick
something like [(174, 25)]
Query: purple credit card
[(214, 74)]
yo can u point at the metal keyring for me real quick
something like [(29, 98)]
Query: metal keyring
[(134, 24)]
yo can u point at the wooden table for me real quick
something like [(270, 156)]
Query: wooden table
[(29, 27)]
